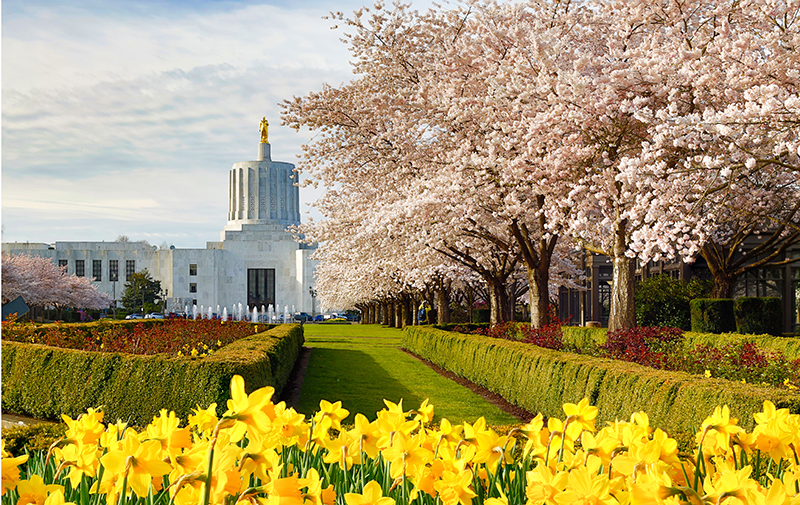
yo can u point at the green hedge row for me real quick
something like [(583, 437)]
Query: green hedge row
[(542, 380), (43, 382)]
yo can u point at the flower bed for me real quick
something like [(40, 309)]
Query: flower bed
[(665, 349), (179, 337), (44, 382), (259, 452)]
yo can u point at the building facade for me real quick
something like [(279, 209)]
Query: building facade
[(593, 303), (256, 262)]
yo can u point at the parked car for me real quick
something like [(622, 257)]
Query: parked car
[(302, 316), (134, 316), (319, 317), (154, 315)]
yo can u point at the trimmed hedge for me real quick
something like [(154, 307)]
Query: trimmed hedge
[(712, 315), (44, 382), (758, 315), (583, 338), (542, 380)]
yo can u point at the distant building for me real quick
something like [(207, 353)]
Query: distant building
[(594, 302), (256, 262)]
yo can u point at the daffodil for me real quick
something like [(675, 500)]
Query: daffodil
[(10, 470), (582, 414), (543, 484), (138, 461), (455, 487), (718, 429), (250, 412), (329, 416), (164, 428), (371, 495), (34, 491), (406, 455), (315, 493), (365, 436), (734, 485), (424, 414), (584, 486)]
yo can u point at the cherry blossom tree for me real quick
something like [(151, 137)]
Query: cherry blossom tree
[(42, 283), (626, 125)]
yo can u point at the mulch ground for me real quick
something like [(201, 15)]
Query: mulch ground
[(291, 393)]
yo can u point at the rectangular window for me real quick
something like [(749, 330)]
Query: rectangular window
[(193, 287), (62, 264), (260, 286), (97, 270), (130, 268), (193, 269), (113, 270), (80, 268)]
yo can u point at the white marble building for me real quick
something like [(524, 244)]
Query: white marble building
[(256, 262)]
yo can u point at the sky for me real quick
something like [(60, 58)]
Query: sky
[(124, 117)]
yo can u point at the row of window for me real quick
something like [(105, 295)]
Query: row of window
[(113, 270), (97, 269)]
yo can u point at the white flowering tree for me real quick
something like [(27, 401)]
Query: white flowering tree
[(42, 283)]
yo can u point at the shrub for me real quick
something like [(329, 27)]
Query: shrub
[(34, 437), (44, 382), (758, 315), (662, 301), (712, 315), (646, 346)]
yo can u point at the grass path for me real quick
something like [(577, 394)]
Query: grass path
[(362, 364)]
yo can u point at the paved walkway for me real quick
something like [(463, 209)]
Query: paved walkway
[(12, 420)]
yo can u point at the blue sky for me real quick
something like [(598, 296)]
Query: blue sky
[(124, 118)]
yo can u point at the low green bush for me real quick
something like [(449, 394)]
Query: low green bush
[(33, 437), (758, 315), (44, 382), (712, 315), (542, 380), (585, 340)]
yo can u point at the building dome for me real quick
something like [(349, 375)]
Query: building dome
[(263, 192)]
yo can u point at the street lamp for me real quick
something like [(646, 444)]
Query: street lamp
[(313, 293)]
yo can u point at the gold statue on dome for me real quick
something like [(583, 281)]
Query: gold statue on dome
[(264, 129)]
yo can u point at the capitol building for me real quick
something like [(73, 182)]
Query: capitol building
[(255, 262)]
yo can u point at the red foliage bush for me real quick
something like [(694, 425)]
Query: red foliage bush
[(644, 345)]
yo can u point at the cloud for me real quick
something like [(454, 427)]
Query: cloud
[(119, 119)]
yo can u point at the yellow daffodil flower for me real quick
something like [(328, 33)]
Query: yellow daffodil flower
[(371, 495)]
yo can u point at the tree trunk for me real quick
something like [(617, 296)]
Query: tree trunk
[(408, 311), (442, 306), (385, 314), (539, 294), (498, 301), (622, 314), (398, 313), (723, 285)]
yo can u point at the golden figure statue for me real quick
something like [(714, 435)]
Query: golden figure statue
[(264, 129)]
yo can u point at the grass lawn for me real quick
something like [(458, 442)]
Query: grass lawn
[(361, 365)]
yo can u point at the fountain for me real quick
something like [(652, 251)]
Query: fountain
[(210, 313), (225, 313), (194, 312), (270, 313), (254, 317), (286, 315)]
